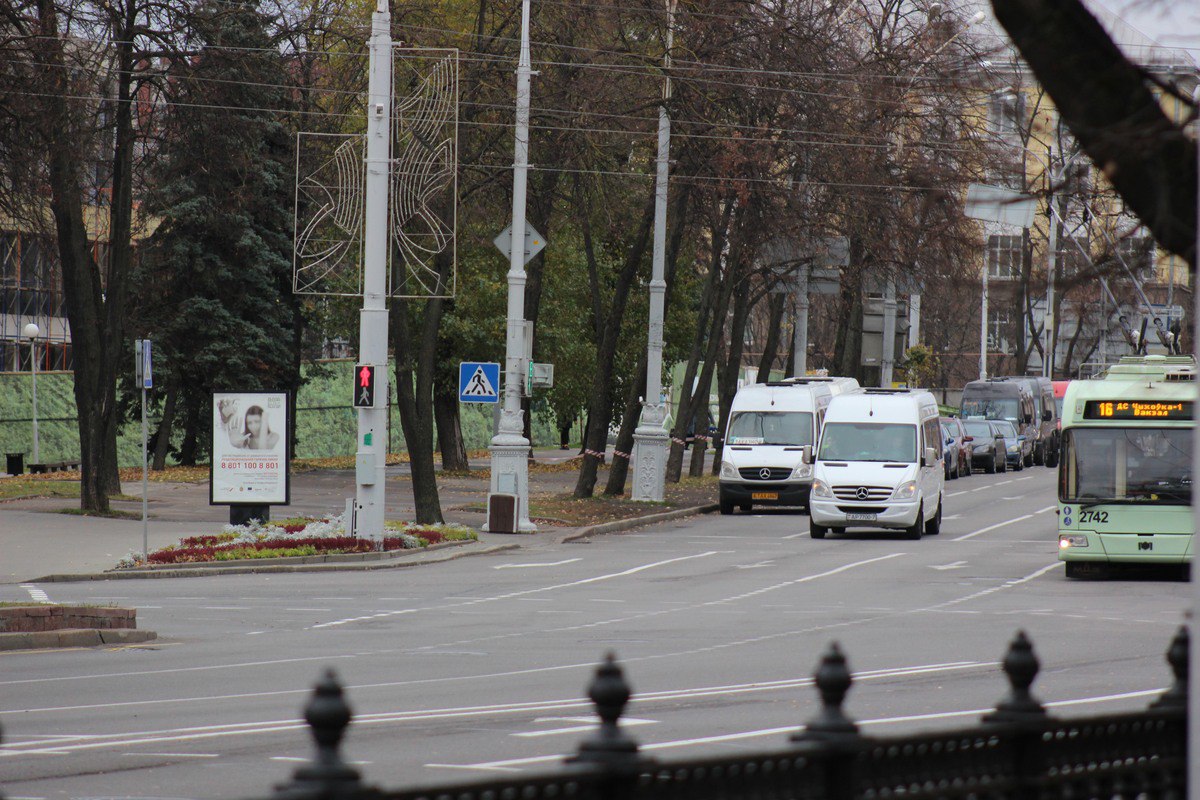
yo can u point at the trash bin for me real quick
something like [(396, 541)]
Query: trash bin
[(14, 463)]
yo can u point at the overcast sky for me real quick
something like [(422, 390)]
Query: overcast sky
[(1175, 23)]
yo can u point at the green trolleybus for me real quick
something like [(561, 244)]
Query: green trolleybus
[(1125, 478)]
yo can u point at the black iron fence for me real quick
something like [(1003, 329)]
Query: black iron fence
[(1017, 751)]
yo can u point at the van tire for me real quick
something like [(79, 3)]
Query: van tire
[(934, 526), (816, 531), (726, 506), (1039, 455), (1052, 456), (914, 531)]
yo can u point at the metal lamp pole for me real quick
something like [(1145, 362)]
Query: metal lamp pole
[(510, 448), (650, 438), (371, 450), (31, 332)]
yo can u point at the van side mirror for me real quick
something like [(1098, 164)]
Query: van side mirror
[(968, 438), (1028, 418), (930, 457), (1047, 415), (806, 454)]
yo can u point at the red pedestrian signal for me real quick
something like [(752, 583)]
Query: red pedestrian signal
[(364, 386)]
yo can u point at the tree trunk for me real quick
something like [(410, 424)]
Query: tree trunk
[(727, 382), (599, 406), (700, 448), (1025, 323), (712, 290), (449, 427), (771, 345), (162, 439), (191, 436), (623, 449)]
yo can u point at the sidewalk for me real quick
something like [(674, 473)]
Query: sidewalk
[(36, 541)]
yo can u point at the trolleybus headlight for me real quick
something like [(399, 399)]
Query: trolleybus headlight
[(802, 471), (1067, 540), (821, 489), (905, 491), (728, 470)]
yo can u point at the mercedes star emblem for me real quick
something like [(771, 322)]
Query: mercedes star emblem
[(765, 473), (862, 493)]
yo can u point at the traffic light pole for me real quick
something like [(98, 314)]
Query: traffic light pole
[(371, 450)]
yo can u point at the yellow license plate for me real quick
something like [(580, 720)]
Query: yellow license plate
[(764, 495)]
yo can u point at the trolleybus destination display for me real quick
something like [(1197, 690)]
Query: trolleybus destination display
[(249, 449), (1137, 409)]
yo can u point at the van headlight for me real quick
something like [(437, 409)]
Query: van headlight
[(821, 489), (905, 491), (1014, 448), (802, 471), (729, 470)]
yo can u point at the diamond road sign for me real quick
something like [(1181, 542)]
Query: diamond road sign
[(534, 242), (478, 382)]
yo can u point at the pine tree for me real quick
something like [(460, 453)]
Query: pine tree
[(217, 271)]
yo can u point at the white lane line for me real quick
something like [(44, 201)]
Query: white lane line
[(954, 565), (584, 728), (175, 755), (1006, 585), (543, 564), (449, 766), (36, 594), (973, 534), (796, 535), (1044, 510), (63, 743), (224, 608), (732, 737), (522, 593), (221, 667)]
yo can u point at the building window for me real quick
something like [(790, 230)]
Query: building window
[(1006, 114), (1003, 256), (1138, 254), (999, 329), (1071, 259)]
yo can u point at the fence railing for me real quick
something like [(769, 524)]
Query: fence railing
[(1016, 751)]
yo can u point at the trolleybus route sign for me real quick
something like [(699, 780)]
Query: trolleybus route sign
[(1135, 409)]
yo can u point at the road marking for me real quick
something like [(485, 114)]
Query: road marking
[(796, 535), (36, 594), (224, 608), (543, 564), (1044, 510), (176, 755), (759, 565), (1006, 585), (220, 667), (60, 744), (991, 528), (952, 516), (590, 725), (732, 737), (522, 593), (955, 565)]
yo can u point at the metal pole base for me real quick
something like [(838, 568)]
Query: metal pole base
[(650, 448), (241, 515), (510, 475)]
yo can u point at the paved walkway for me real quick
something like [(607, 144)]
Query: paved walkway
[(36, 541)]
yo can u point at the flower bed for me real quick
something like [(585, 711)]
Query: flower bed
[(295, 537)]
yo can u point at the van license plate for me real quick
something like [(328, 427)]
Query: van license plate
[(764, 495), (861, 517)]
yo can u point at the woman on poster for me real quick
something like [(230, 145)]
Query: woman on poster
[(256, 434)]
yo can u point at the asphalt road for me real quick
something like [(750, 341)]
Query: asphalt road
[(479, 666)]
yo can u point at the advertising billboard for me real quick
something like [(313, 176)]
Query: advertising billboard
[(250, 456)]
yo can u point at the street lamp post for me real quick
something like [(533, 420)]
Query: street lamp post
[(31, 332)]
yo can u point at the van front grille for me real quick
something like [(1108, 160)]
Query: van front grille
[(764, 473), (862, 494)]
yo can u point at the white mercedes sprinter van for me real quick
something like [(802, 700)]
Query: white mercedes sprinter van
[(878, 464), (769, 425)]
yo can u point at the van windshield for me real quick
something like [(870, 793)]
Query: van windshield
[(869, 441), (991, 408), (787, 428)]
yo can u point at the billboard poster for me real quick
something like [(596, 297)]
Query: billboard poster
[(249, 449)]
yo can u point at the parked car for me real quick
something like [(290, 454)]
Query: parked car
[(958, 448), (1018, 446), (988, 445)]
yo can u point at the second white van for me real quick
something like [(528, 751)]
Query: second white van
[(770, 424), (878, 464)]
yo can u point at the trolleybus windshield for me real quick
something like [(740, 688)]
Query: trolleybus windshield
[(1131, 465)]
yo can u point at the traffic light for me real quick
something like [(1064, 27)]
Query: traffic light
[(364, 385)]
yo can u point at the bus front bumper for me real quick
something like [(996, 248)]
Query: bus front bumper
[(1149, 548)]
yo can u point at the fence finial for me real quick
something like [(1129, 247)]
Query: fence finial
[(833, 682), (1177, 656), (1021, 667), (328, 716), (609, 745)]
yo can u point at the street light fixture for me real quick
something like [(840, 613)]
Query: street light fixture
[(31, 331)]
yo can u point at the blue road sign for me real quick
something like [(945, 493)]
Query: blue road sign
[(478, 382)]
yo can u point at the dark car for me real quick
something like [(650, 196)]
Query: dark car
[(1018, 446), (988, 445), (957, 447)]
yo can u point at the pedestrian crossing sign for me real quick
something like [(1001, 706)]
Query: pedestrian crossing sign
[(478, 382)]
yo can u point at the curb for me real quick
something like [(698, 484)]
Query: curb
[(73, 637), (415, 559), (636, 522)]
